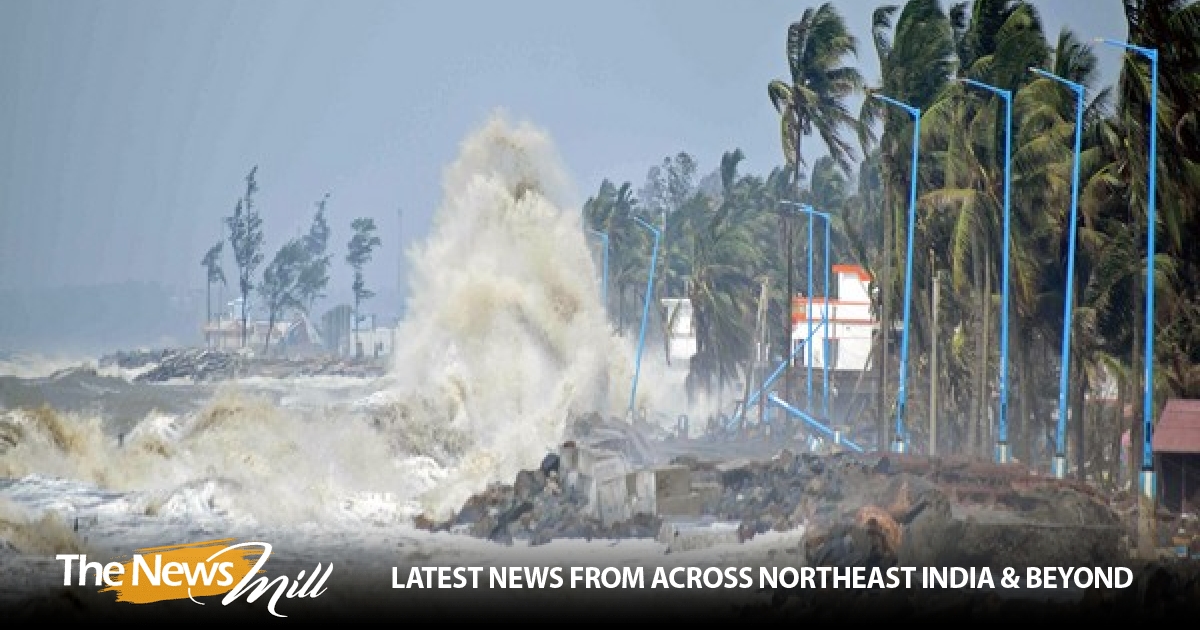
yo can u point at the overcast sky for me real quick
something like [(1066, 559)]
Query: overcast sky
[(126, 127)]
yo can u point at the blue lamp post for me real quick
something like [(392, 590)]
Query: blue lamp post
[(825, 318), (1002, 451), (645, 312), (807, 209), (766, 385), (1146, 481), (798, 207), (1059, 465), (899, 444), (604, 287)]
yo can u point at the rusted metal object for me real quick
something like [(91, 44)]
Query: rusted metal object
[(878, 522)]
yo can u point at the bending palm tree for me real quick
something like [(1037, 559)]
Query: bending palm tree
[(815, 98)]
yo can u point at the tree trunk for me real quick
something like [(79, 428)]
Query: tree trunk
[(985, 391), (885, 328), (208, 313), (621, 308), (1080, 421), (933, 356), (972, 416), (1119, 423), (244, 302), (1023, 429), (270, 329), (1135, 432), (357, 343), (220, 333)]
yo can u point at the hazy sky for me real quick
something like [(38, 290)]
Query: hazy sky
[(126, 127)]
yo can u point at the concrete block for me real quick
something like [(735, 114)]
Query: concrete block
[(699, 533), (607, 495), (612, 500), (672, 481), (690, 504), (706, 492), (606, 469), (601, 464), (640, 487)]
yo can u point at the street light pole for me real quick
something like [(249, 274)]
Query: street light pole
[(807, 209), (645, 312), (1059, 465), (1146, 479), (1002, 450), (808, 311), (825, 316), (899, 444)]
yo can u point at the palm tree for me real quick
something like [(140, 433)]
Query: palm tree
[(815, 98), (916, 58), (611, 211), (722, 279)]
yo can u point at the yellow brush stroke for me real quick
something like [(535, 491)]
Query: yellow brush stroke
[(191, 556)]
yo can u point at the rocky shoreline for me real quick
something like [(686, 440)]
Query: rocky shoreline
[(207, 365)]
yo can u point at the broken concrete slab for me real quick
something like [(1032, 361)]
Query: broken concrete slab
[(688, 534)]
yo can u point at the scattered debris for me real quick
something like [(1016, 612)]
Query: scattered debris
[(857, 510)]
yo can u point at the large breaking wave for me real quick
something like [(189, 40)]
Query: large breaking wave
[(505, 338)]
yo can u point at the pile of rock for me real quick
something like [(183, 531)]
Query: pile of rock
[(195, 364), (540, 506), (133, 359), (202, 365), (856, 510)]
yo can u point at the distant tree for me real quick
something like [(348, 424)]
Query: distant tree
[(361, 245), (245, 235), (280, 288), (212, 262), (815, 98), (314, 276)]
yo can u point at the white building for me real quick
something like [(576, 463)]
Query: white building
[(681, 333), (851, 325), (375, 341)]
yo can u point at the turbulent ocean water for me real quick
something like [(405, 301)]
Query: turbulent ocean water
[(507, 338)]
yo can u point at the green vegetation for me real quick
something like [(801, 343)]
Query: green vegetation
[(298, 274), (360, 248), (722, 239)]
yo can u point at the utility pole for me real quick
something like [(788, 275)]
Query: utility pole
[(933, 366)]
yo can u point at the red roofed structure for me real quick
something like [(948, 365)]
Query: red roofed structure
[(1176, 445)]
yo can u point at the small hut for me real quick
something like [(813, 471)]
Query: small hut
[(1176, 444)]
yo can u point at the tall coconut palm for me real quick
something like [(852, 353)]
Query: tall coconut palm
[(722, 279), (916, 58), (1173, 28), (611, 211), (815, 98)]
